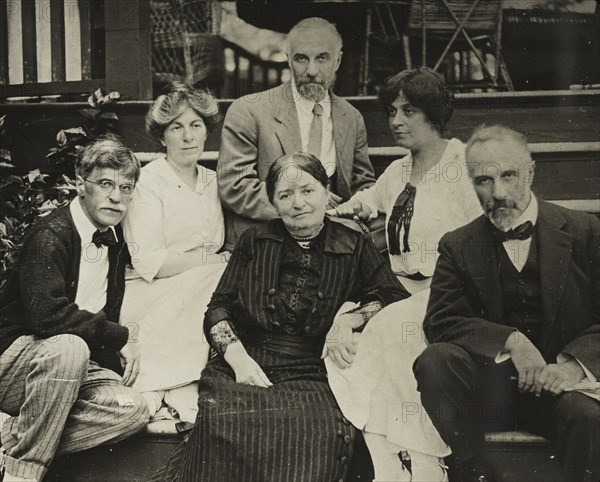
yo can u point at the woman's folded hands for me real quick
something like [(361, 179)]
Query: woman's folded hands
[(245, 368)]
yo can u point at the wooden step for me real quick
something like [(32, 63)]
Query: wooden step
[(522, 456), (544, 116), (515, 456), (137, 458)]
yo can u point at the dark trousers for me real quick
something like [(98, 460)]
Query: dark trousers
[(466, 397)]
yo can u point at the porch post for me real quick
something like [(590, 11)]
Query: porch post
[(128, 48)]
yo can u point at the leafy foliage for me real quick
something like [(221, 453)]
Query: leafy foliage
[(23, 198), (98, 120)]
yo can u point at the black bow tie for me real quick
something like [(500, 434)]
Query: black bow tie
[(106, 238), (522, 232)]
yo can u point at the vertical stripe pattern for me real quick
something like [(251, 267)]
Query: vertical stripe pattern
[(60, 403), (15, 46), (293, 431), (72, 41), (45, 41), (352, 269)]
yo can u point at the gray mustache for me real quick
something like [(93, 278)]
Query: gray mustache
[(495, 204), (310, 80)]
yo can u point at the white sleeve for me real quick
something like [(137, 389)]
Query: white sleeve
[(376, 197)]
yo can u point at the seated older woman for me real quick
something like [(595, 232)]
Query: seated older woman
[(266, 410), (173, 229)]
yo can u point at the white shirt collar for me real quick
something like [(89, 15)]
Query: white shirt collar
[(307, 105), (84, 226), (530, 213), (163, 169)]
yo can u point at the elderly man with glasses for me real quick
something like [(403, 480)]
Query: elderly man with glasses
[(66, 365)]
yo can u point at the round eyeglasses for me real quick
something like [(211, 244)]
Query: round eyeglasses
[(109, 186)]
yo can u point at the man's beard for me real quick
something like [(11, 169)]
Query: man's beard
[(503, 219), (312, 88)]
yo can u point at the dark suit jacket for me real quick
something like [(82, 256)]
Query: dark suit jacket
[(39, 297), (466, 304), (260, 128), (352, 270)]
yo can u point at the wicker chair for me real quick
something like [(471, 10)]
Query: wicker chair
[(183, 47), (470, 30)]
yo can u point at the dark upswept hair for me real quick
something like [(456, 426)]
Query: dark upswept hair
[(167, 107), (300, 160), (425, 89), (107, 152)]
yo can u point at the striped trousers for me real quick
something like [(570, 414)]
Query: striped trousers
[(60, 402)]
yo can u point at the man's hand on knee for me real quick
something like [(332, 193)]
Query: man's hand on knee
[(527, 360), (556, 377)]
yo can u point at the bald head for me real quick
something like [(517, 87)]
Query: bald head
[(498, 133), (314, 26)]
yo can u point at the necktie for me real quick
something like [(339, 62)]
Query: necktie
[(401, 217), (316, 132), (106, 238), (522, 232)]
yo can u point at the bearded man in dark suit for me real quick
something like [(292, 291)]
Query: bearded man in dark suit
[(513, 319)]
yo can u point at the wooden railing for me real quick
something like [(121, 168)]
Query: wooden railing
[(246, 73), (61, 47), (51, 47)]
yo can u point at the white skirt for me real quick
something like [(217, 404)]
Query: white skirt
[(378, 393), (166, 318)]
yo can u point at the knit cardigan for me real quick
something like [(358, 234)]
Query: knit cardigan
[(39, 297)]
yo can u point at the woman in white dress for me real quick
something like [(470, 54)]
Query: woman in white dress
[(424, 195), (174, 230)]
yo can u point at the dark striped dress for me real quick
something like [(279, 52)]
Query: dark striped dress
[(280, 299)]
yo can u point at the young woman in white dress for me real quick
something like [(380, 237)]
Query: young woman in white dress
[(174, 230), (423, 194)]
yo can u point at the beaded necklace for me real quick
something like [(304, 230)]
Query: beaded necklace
[(305, 242)]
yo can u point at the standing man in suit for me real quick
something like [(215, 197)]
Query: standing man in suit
[(301, 115), (60, 340), (513, 318)]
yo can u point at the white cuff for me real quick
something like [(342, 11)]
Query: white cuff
[(502, 356)]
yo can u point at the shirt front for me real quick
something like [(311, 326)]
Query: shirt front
[(518, 249), (304, 108), (93, 265)]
